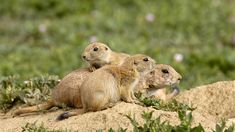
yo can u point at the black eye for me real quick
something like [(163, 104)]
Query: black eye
[(145, 59), (106, 48), (165, 71), (95, 49)]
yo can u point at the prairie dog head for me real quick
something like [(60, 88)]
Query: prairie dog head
[(163, 75), (97, 54), (142, 63)]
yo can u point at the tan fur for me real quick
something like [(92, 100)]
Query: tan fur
[(155, 82), (98, 54), (44, 106), (108, 85), (68, 90)]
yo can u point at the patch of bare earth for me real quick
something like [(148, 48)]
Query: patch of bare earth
[(212, 101), (216, 99)]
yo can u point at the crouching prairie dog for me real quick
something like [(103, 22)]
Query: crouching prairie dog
[(99, 54), (106, 86), (155, 83), (67, 91)]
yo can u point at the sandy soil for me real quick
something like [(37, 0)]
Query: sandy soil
[(212, 101), (217, 99)]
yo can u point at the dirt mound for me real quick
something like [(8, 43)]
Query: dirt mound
[(230, 121), (212, 101), (217, 99), (110, 118)]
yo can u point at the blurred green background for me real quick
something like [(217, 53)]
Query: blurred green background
[(46, 37)]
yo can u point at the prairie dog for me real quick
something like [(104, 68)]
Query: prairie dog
[(156, 81), (66, 92), (98, 54), (108, 85)]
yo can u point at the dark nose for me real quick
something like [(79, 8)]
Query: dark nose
[(84, 57)]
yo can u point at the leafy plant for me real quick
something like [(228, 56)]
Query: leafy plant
[(8, 92), (186, 123), (156, 125), (200, 31), (152, 124), (33, 127), (158, 104), (112, 130), (221, 127), (31, 92)]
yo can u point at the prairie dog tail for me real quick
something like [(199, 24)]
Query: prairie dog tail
[(44, 106), (66, 115)]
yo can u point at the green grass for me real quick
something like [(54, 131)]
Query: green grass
[(36, 90), (30, 92), (34, 127), (155, 124), (201, 31), (152, 124), (158, 104)]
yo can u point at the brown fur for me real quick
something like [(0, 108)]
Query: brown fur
[(66, 92), (155, 82), (98, 54), (108, 85)]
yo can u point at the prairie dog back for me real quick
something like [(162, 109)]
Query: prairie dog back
[(68, 90)]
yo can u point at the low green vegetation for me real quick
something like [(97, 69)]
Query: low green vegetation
[(158, 104), (38, 38), (31, 92), (36, 90), (184, 111), (152, 124), (15, 91), (195, 37), (34, 127), (156, 125), (221, 127)]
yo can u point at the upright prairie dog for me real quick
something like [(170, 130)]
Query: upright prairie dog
[(98, 54), (156, 81), (110, 84), (68, 90)]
